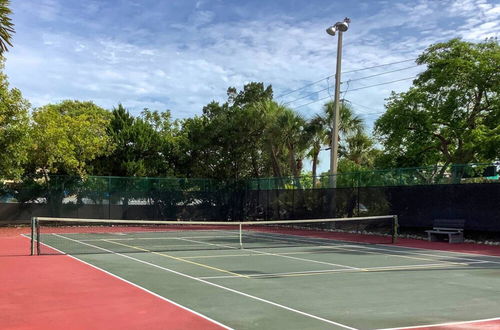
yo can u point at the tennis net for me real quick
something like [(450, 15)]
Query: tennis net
[(86, 236)]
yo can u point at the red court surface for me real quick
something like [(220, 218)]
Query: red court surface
[(44, 292)]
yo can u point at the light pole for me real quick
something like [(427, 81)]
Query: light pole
[(339, 27)]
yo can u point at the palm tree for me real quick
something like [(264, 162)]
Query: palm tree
[(272, 135), (360, 149), (6, 26), (293, 137), (320, 127), (283, 137), (316, 132), (349, 122)]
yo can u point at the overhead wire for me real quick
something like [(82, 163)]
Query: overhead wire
[(383, 73), (348, 82), (384, 83), (379, 66), (377, 112), (357, 89), (343, 72), (310, 94)]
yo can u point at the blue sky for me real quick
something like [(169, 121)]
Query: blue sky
[(180, 55)]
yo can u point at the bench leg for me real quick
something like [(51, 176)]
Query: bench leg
[(433, 237), (456, 238)]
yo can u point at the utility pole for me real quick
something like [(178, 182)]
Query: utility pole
[(341, 27)]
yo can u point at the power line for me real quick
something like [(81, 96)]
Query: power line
[(384, 83), (348, 81), (357, 89), (306, 96), (363, 106), (305, 86), (371, 113), (378, 66), (344, 72), (382, 73), (321, 99), (347, 88)]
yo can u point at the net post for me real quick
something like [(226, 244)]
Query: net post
[(37, 227), (240, 233), (395, 228), (32, 248)]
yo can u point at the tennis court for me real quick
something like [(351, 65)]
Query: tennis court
[(291, 277)]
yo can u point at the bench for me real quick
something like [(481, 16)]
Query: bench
[(453, 228)]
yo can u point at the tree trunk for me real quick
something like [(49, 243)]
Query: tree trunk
[(293, 164), (275, 163), (255, 166), (314, 167)]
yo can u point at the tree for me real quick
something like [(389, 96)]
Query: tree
[(349, 122), (293, 138), (142, 145), (283, 138), (6, 26), (226, 141), (451, 113), (14, 124), (169, 135), (67, 136), (111, 164), (251, 93), (359, 148), (318, 130), (317, 135)]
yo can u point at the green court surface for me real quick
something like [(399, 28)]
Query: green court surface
[(296, 283)]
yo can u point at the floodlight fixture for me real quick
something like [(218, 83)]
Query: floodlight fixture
[(339, 26)]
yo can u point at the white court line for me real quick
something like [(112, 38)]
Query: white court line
[(399, 248), (444, 324), (394, 251), (435, 255), (340, 247), (213, 284), (151, 247), (328, 271), (153, 238), (276, 274), (277, 255), (445, 251), (137, 286)]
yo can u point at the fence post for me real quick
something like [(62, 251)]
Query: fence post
[(358, 197)]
